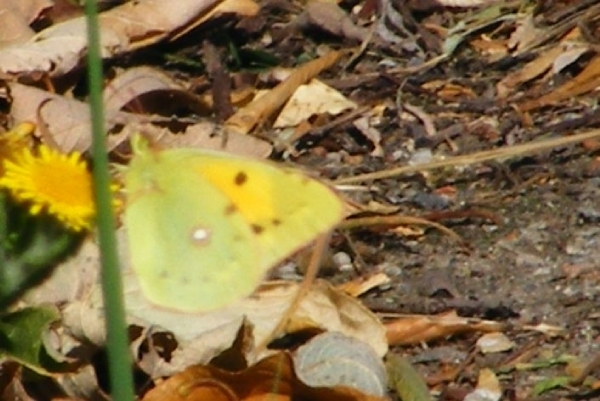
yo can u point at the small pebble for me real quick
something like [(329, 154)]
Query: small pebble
[(342, 261)]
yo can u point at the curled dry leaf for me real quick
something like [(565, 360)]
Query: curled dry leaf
[(331, 18), (15, 17), (133, 83), (67, 117), (333, 359), (82, 384), (203, 336), (207, 135), (66, 121), (58, 49), (587, 80), (259, 110), (270, 379), (245, 8), (415, 329), (541, 65)]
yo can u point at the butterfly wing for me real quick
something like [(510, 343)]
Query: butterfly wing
[(204, 227), (284, 208), (188, 252)]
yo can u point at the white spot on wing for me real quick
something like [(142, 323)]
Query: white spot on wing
[(200, 236)]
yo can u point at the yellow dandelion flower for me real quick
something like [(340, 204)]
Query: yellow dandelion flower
[(13, 141), (52, 181)]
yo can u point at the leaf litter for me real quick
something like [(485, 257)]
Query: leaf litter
[(492, 104)]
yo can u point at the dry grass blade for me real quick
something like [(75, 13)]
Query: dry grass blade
[(395, 221), (474, 158)]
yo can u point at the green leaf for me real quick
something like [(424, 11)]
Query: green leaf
[(405, 379), (30, 247), (21, 338), (549, 384)]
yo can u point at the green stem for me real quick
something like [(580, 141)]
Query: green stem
[(119, 355)]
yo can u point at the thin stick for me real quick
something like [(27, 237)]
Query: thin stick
[(474, 158), (310, 276)]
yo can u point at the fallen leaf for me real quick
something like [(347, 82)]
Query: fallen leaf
[(488, 387), (587, 80), (15, 18), (313, 98), (245, 119), (201, 337), (271, 378), (405, 379), (60, 48), (332, 359), (494, 342), (361, 285), (415, 329)]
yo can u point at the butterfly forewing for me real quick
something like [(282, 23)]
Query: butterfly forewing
[(284, 208)]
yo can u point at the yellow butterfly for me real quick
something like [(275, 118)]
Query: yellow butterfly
[(204, 227)]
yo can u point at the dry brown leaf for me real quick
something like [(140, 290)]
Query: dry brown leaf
[(366, 127), (331, 359), (526, 33), (130, 85), (242, 8), (259, 110), (328, 16), (65, 123), (208, 135), (415, 329), (313, 98), (450, 91), (271, 378), (60, 48), (67, 118), (492, 50), (82, 385), (323, 308), (465, 3), (494, 342), (361, 285), (15, 17), (488, 387), (586, 81), (203, 336), (555, 58)]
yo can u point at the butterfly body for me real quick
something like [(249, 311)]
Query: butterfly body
[(204, 227)]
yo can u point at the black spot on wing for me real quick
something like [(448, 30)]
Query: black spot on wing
[(240, 178)]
